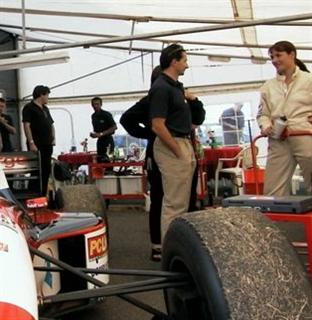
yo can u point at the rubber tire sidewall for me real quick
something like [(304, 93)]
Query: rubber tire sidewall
[(183, 243)]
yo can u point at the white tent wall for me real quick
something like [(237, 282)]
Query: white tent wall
[(127, 77), (82, 113)]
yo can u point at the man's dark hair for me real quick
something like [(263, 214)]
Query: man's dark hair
[(155, 74), (40, 91), (2, 100), (174, 51), (96, 99)]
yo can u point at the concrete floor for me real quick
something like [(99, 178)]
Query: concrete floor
[(129, 249)]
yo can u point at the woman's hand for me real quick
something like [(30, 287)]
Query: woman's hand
[(267, 131)]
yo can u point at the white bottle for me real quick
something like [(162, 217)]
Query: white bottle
[(278, 127)]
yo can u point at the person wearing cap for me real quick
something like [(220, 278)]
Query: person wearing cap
[(39, 131), (6, 128), (171, 121), (287, 96), (233, 121)]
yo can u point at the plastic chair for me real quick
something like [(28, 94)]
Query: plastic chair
[(243, 161)]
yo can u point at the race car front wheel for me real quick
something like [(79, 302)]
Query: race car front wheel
[(239, 266)]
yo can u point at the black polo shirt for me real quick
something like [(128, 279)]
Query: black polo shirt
[(167, 101), (102, 121), (5, 134), (40, 123)]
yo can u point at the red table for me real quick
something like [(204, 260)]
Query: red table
[(211, 157), (306, 219), (77, 158)]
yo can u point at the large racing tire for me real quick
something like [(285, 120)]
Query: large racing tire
[(240, 266), (81, 198)]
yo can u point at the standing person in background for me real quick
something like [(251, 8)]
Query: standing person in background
[(6, 127), (233, 122), (171, 121), (288, 95), (103, 128), (136, 122), (39, 131)]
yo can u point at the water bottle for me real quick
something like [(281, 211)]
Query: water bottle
[(116, 153), (199, 150), (278, 127)]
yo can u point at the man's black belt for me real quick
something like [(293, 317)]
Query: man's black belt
[(181, 135)]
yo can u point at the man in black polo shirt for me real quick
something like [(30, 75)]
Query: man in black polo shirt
[(172, 123), (39, 131), (103, 126), (6, 128)]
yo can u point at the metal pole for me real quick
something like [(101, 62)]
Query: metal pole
[(122, 272), (113, 290), (254, 158), (226, 26), (132, 33), (24, 24), (139, 18), (211, 56), (73, 140), (142, 66), (204, 43)]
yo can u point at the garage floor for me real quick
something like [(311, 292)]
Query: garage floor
[(129, 248)]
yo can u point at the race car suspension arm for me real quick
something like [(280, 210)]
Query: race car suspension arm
[(124, 272), (112, 290), (99, 283)]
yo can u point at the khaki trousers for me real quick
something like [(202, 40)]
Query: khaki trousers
[(283, 156), (177, 175)]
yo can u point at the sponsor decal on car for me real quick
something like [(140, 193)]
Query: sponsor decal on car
[(96, 250), (97, 246), (11, 162)]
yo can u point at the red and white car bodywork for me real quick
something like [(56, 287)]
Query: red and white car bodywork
[(77, 238)]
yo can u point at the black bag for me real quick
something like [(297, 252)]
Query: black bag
[(61, 171)]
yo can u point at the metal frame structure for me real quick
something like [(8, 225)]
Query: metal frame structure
[(225, 26)]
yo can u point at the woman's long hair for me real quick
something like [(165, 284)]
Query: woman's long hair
[(286, 46)]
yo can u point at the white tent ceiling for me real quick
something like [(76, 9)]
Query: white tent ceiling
[(65, 23), (91, 17)]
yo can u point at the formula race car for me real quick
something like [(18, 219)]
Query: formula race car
[(225, 263), (27, 226)]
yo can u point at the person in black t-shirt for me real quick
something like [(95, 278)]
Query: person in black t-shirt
[(6, 128), (103, 128), (136, 122), (39, 131), (171, 121)]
